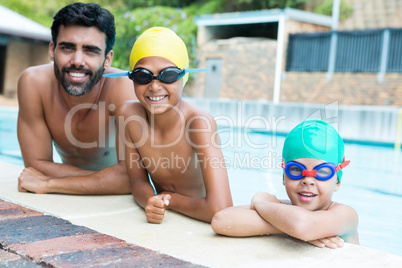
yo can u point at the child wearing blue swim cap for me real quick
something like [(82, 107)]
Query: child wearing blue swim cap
[(313, 159)]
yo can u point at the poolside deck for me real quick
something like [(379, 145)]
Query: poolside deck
[(85, 231)]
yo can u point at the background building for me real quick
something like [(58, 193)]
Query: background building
[(23, 43), (252, 59)]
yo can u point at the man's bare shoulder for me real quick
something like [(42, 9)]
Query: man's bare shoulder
[(39, 73), (117, 90), (37, 81)]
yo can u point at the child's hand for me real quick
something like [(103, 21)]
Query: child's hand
[(263, 197), (155, 208), (329, 242)]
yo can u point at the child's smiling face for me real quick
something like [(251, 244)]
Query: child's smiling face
[(158, 97), (309, 192)]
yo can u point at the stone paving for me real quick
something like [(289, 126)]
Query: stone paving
[(29, 238)]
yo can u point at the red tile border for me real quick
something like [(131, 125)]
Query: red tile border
[(32, 229), (7, 205), (116, 256), (12, 211), (7, 256), (29, 238), (63, 245)]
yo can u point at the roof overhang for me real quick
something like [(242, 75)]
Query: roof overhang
[(262, 16), (14, 24)]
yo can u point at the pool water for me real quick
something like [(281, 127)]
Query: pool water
[(371, 184), (9, 147)]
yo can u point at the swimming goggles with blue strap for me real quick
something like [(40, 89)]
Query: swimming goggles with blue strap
[(168, 75)]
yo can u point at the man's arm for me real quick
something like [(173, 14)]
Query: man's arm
[(33, 134), (110, 180), (206, 144), (42, 175)]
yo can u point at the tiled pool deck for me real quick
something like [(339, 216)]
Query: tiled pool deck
[(91, 231), (29, 238)]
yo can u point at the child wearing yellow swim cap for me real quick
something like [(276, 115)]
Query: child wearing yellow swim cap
[(160, 42), (313, 156), (168, 139)]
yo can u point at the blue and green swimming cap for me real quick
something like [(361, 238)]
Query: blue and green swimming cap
[(314, 139)]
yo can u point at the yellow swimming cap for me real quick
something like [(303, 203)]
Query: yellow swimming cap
[(161, 42)]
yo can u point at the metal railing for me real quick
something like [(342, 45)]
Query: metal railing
[(369, 51)]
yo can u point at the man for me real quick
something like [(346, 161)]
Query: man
[(70, 104)]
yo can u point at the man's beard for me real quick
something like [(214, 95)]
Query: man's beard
[(77, 89)]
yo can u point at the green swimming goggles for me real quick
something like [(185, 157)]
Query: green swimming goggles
[(168, 75)]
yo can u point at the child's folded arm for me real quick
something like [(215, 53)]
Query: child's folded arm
[(309, 225), (241, 221)]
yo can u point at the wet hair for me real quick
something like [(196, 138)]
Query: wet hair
[(87, 15)]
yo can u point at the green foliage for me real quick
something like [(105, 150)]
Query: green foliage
[(44, 10), (133, 4), (135, 16), (131, 24), (241, 5), (325, 8)]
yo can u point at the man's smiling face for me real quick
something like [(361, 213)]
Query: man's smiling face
[(79, 58)]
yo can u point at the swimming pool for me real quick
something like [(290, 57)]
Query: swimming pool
[(9, 147), (371, 183)]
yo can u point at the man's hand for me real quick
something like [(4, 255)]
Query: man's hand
[(155, 208), (31, 180), (329, 242)]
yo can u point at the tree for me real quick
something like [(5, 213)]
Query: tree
[(242, 5), (326, 9)]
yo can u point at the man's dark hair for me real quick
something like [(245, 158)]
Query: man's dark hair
[(86, 15)]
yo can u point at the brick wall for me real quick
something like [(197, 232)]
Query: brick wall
[(347, 88), (350, 88), (373, 14), (368, 14), (248, 68)]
